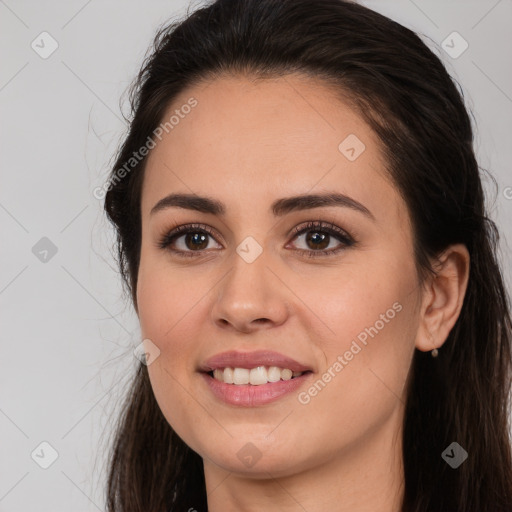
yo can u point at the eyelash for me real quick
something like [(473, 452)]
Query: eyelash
[(319, 226)]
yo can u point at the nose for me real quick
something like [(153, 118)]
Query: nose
[(251, 296)]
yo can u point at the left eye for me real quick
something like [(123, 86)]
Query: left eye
[(318, 239), (318, 236)]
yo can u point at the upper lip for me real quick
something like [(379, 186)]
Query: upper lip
[(236, 359)]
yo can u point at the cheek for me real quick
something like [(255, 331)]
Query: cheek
[(166, 317), (371, 318), (166, 303), (367, 304)]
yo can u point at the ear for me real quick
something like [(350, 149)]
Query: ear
[(443, 297)]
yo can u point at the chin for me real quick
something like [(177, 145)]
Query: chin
[(256, 459), (261, 469)]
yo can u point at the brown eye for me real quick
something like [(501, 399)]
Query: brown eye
[(320, 235), (196, 240), (317, 239), (187, 240)]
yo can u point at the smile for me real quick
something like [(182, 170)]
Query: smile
[(254, 376)]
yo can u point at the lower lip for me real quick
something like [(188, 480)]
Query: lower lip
[(248, 395)]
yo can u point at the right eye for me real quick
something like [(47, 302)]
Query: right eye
[(195, 240)]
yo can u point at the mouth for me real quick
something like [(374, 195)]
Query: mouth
[(250, 379), (257, 376), (242, 393)]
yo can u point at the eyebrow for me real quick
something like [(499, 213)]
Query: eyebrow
[(279, 207)]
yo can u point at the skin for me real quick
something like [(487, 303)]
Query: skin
[(248, 143)]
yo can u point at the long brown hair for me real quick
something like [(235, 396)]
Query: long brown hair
[(406, 95)]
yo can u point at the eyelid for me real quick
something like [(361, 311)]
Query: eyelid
[(321, 225)]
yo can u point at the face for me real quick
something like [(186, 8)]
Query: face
[(331, 286)]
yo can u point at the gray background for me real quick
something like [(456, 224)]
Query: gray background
[(67, 331)]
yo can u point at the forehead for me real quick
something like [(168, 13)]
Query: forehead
[(248, 141)]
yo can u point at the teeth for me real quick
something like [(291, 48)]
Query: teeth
[(286, 374), (255, 376), (274, 374), (241, 376), (228, 375), (258, 376)]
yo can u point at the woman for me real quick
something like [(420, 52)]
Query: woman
[(301, 226)]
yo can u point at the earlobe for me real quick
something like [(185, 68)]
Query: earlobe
[(443, 298)]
